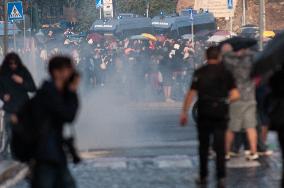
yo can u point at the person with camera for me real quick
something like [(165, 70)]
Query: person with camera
[(56, 103), (215, 88)]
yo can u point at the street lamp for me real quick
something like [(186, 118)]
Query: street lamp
[(147, 8), (244, 13), (5, 38), (192, 27), (261, 23)]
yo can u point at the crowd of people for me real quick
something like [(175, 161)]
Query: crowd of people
[(162, 68), (231, 105)]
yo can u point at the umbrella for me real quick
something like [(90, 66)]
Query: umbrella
[(149, 36), (95, 37), (271, 59), (239, 43), (138, 37), (268, 34), (217, 38)]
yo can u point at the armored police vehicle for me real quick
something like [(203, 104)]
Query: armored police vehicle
[(178, 25), (123, 26)]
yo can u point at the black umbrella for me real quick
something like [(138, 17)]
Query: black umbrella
[(272, 58), (239, 43)]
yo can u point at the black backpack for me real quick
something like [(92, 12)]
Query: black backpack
[(24, 134)]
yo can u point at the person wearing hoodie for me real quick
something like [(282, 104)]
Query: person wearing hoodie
[(15, 84), (55, 104)]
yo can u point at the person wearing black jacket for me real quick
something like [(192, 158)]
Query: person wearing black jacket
[(15, 84), (56, 103), (276, 114), (215, 87)]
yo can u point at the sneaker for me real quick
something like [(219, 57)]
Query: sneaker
[(266, 153), (252, 157), (228, 157), (221, 183), (247, 153), (234, 154), (169, 100), (201, 181)]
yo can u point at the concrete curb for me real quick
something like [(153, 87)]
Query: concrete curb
[(156, 105), (13, 174)]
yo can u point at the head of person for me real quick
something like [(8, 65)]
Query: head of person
[(61, 69), (213, 55), (11, 63), (225, 48)]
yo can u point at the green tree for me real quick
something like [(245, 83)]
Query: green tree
[(131, 6), (71, 3), (87, 13), (139, 6), (167, 6)]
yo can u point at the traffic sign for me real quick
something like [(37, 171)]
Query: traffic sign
[(230, 4), (99, 3), (191, 13), (15, 11)]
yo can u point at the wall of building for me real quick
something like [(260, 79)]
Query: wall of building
[(274, 12)]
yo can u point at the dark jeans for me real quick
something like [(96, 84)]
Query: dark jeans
[(281, 142), (52, 176), (204, 134)]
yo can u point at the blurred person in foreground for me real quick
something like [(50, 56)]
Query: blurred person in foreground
[(276, 113), (215, 87), (56, 104), (15, 84)]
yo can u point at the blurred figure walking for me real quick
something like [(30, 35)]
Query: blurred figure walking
[(15, 84), (215, 88), (55, 104), (277, 110)]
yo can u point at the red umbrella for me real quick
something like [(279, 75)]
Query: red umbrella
[(95, 37)]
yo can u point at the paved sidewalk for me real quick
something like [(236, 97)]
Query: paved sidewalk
[(175, 171), (11, 172)]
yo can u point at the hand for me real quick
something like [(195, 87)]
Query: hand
[(7, 98), (75, 84), (18, 79), (183, 119), (14, 119)]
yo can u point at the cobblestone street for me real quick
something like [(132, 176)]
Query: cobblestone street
[(170, 163)]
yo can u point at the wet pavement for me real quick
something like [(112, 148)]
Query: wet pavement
[(166, 158)]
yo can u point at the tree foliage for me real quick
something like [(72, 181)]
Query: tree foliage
[(87, 12), (140, 6)]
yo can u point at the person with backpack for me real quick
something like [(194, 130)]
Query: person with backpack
[(15, 84), (215, 87)]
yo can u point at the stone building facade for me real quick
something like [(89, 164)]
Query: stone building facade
[(274, 12)]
